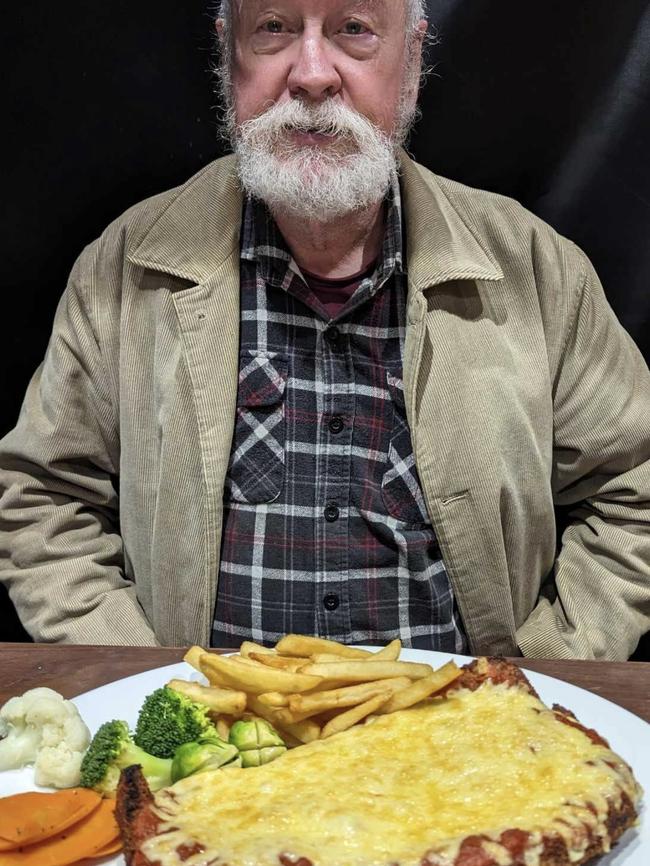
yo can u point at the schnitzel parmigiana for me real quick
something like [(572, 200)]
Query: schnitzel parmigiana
[(485, 775)]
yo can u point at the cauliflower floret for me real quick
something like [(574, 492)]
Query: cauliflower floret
[(44, 729), (19, 743), (58, 766)]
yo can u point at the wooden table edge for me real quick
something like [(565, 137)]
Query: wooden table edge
[(74, 669)]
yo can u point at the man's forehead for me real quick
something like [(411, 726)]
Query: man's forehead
[(244, 6)]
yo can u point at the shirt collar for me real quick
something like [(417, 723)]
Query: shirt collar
[(262, 242)]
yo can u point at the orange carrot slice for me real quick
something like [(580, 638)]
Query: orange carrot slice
[(83, 839), (36, 815)]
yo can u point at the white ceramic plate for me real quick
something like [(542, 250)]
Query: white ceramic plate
[(627, 734)]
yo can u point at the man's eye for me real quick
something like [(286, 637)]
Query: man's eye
[(354, 28), (272, 26)]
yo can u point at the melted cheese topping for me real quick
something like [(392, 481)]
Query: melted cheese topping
[(414, 782)]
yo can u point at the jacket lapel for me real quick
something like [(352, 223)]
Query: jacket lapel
[(197, 239), (450, 341)]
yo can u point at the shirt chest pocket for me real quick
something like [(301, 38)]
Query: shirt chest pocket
[(400, 486), (256, 471)]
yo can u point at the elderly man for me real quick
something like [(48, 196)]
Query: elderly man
[(319, 389)]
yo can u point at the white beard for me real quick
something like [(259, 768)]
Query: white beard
[(317, 183)]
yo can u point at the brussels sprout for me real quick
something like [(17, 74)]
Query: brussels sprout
[(257, 741), (208, 753)]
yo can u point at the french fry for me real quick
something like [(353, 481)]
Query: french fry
[(289, 740), (305, 731), (363, 671), (249, 647), (329, 684), (304, 706), (277, 661), (303, 645), (323, 718), (284, 716), (309, 687), (254, 678), (193, 657), (245, 660), (421, 689), (274, 699), (390, 652), (218, 700), (345, 720), (223, 728)]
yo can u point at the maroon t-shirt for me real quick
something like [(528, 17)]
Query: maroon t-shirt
[(334, 294)]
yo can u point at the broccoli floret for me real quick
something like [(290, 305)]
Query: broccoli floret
[(110, 751), (168, 719)]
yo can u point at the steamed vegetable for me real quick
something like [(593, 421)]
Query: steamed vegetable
[(111, 848), (85, 838), (35, 815), (206, 754), (110, 751), (42, 728), (257, 741), (168, 719)]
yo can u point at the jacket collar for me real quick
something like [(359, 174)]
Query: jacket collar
[(441, 245), (200, 228)]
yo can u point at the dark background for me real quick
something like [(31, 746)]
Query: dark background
[(106, 103)]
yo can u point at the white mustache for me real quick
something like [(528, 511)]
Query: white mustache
[(329, 118)]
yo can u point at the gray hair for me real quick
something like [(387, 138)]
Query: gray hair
[(415, 12)]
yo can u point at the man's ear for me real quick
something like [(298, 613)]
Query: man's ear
[(417, 41), (414, 60), (219, 25), (419, 35)]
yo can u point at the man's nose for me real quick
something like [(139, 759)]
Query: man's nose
[(313, 75)]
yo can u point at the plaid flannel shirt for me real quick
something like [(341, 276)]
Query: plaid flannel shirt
[(325, 527)]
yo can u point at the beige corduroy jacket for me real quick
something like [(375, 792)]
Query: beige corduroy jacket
[(523, 393)]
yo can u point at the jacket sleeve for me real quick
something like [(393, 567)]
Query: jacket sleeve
[(599, 606), (61, 555)]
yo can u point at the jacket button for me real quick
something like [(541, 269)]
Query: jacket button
[(331, 601), (336, 424), (331, 513)]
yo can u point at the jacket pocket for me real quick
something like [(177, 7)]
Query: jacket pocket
[(400, 486), (256, 471)]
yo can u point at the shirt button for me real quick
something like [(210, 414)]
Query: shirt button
[(332, 335), (331, 601), (336, 424), (331, 513)]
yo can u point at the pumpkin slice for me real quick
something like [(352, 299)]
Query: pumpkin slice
[(111, 848), (36, 815), (84, 839)]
